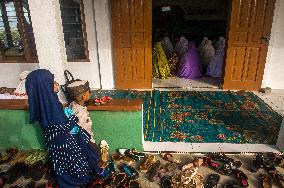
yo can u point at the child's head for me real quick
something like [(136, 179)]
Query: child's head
[(78, 91)]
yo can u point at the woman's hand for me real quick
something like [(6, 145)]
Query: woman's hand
[(75, 130)]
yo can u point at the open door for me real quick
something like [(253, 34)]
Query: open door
[(250, 26), (132, 43)]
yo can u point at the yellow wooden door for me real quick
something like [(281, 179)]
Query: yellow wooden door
[(250, 26), (132, 38)]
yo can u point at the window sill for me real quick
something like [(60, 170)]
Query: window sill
[(78, 60)]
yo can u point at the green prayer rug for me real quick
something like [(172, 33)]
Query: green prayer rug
[(204, 116)]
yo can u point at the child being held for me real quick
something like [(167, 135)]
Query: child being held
[(78, 93)]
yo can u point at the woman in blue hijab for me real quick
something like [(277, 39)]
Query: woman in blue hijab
[(73, 158)]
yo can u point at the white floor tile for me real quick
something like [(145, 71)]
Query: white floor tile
[(227, 147), (262, 148), (179, 147), (206, 147), (154, 146)]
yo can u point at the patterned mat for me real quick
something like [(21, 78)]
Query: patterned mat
[(206, 116)]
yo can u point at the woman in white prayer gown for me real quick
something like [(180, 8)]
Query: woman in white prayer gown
[(215, 68), (206, 51)]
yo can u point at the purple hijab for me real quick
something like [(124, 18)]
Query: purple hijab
[(190, 65)]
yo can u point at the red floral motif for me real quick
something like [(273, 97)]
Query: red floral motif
[(198, 137), (221, 136), (248, 105), (187, 114), (179, 135), (191, 121)]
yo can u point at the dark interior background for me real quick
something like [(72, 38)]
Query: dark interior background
[(193, 19)]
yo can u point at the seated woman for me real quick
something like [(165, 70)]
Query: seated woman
[(215, 68), (69, 149), (161, 67), (190, 64)]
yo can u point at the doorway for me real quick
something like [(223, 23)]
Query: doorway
[(245, 26), (186, 35)]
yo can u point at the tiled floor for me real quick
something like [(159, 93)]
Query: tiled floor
[(176, 82), (275, 99)]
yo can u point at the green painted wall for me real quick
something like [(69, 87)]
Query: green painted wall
[(119, 129)]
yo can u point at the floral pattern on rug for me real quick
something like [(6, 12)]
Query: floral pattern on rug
[(204, 116)]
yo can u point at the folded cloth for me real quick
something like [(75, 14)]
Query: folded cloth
[(21, 88)]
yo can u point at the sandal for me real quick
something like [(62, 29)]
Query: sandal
[(196, 163), (225, 159), (167, 169), (133, 155), (224, 169), (120, 179), (166, 182), (119, 158), (243, 179), (258, 162), (169, 157), (188, 177), (231, 184), (3, 180), (129, 171), (176, 180), (35, 171), (9, 154), (277, 178), (212, 180), (106, 171), (145, 166), (199, 181), (153, 171), (133, 184), (104, 150), (265, 181)]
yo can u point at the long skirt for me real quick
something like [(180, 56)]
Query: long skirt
[(73, 158)]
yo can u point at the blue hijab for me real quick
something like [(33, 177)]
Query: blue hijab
[(44, 105)]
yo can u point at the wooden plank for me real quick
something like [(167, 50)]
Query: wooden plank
[(119, 105), (112, 105), (14, 104)]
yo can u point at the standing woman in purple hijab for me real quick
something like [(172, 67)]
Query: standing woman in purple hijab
[(190, 64), (69, 149)]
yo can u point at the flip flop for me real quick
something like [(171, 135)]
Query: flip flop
[(242, 178), (278, 178), (129, 171), (153, 170), (145, 166), (265, 181), (169, 157)]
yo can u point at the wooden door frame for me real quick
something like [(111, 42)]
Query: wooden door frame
[(226, 45), (227, 39)]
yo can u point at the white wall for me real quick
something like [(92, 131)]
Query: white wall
[(10, 73), (88, 70), (103, 28), (48, 32), (274, 67)]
